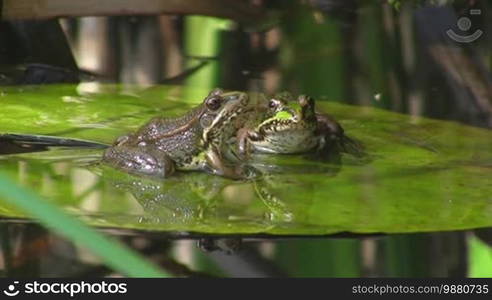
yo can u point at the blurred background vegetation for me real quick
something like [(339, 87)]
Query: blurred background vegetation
[(393, 55)]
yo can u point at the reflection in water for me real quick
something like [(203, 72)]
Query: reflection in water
[(199, 200)]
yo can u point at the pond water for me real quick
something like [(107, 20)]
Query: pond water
[(413, 168), (428, 166)]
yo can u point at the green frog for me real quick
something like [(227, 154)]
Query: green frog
[(195, 141), (290, 126)]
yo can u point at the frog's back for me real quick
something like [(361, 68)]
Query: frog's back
[(159, 127), (178, 137)]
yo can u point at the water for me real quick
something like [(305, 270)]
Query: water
[(422, 176)]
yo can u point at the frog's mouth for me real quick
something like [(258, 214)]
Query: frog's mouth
[(297, 115), (276, 125), (287, 119)]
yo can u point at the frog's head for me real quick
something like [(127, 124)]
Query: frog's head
[(290, 126), (287, 114), (221, 109)]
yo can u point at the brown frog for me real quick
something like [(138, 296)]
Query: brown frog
[(195, 141)]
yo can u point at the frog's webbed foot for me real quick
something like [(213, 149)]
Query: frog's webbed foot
[(351, 146), (326, 152), (139, 161), (330, 148), (334, 139)]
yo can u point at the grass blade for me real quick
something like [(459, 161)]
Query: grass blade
[(113, 253)]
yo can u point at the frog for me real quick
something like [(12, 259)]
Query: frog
[(293, 126), (194, 141)]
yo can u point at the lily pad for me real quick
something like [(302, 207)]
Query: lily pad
[(419, 174)]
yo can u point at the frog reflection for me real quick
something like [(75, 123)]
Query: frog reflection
[(199, 202)]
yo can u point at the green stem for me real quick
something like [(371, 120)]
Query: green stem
[(112, 252)]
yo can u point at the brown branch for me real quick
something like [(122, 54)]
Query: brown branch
[(46, 9)]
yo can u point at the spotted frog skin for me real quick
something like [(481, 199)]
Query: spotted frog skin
[(195, 141), (293, 126)]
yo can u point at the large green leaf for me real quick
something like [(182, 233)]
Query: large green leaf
[(420, 174)]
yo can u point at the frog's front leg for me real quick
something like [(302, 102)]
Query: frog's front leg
[(244, 138), (139, 161), (243, 144), (218, 166)]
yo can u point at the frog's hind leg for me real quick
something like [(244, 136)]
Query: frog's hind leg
[(333, 138), (351, 146), (139, 161), (326, 152)]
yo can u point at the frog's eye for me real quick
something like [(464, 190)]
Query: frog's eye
[(214, 103), (273, 103)]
